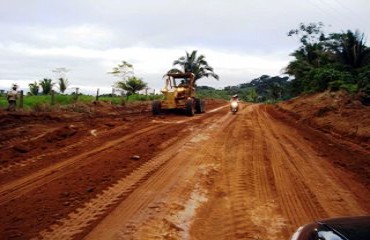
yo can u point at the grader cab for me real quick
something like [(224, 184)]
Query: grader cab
[(179, 94)]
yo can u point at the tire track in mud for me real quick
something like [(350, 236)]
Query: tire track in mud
[(216, 223), (238, 188), (180, 186), (267, 181), (24, 137), (243, 203), (82, 217), (293, 193), (265, 213), (307, 186), (90, 140), (257, 182), (299, 161), (251, 183), (16, 140), (169, 214), (162, 166), (235, 201), (345, 200), (25, 184)]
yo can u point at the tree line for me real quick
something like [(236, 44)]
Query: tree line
[(329, 61), (46, 86), (262, 89), (334, 61)]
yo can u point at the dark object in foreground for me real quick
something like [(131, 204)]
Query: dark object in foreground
[(344, 228)]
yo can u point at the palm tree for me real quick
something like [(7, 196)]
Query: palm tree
[(46, 85), (351, 50), (197, 65), (34, 88), (63, 84), (131, 85)]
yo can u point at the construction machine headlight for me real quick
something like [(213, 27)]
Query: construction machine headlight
[(234, 104), (180, 89)]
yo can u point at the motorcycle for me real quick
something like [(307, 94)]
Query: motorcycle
[(234, 106)]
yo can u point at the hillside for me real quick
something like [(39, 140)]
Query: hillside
[(336, 113)]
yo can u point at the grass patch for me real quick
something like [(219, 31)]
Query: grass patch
[(45, 101)]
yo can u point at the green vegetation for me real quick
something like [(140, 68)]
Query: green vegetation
[(31, 102), (46, 85), (63, 84), (209, 92), (34, 88), (329, 61), (3, 102), (132, 85), (129, 85), (262, 89), (334, 61), (36, 102), (128, 82)]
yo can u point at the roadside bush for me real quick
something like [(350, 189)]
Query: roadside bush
[(320, 79), (343, 85), (41, 107), (3, 102)]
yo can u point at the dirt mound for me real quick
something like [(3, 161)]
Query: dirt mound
[(337, 113)]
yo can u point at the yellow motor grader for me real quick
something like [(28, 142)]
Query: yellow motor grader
[(179, 94)]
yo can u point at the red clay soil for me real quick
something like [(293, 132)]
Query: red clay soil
[(337, 147), (337, 113), (34, 143), (117, 172)]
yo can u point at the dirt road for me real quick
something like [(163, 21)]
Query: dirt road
[(254, 175)]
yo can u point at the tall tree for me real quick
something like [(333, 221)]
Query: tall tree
[(128, 82), (195, 64), (124, 70), (46, 85), (350, 49), (308, 55), (34, 88), (332, 61)]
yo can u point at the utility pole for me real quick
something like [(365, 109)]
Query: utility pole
[(97, 95), (76, 93)]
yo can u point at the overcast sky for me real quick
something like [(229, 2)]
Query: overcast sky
[(241, 39)]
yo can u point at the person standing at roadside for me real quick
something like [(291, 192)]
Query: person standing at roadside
[(12, 97)]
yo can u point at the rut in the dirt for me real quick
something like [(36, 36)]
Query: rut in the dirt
[(256, 174)]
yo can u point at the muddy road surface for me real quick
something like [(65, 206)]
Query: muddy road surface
[(257, 174)]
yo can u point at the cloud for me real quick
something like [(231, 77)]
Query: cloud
[(85, 35), (90, 66), (241, 39)]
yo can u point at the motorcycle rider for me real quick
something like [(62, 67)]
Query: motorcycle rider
[(234, 98)]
